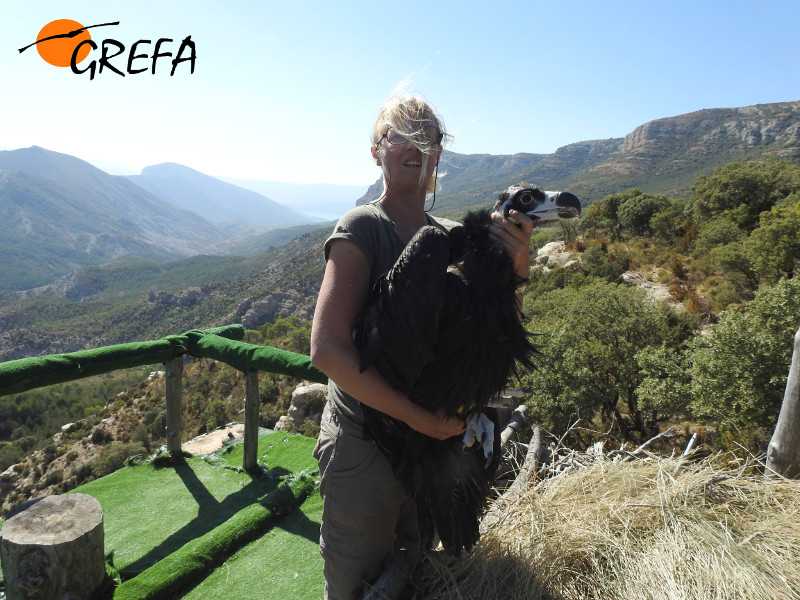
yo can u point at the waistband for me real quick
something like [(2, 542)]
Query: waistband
[(332, 416)]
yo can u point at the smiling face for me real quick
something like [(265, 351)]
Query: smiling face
[(406, 142), (405, 164)]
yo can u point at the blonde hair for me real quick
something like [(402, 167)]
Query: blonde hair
[(409, 115)]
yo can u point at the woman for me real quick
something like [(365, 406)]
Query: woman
[(367, 515)]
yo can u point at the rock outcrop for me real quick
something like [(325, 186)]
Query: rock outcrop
[(308, 402)]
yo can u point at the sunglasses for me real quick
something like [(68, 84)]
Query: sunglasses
[(429, 135)]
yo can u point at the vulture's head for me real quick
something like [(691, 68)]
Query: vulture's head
[(538, 204)]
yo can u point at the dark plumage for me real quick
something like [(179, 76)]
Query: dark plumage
[(442, 326)]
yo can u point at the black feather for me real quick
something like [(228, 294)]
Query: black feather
[(443, 327)]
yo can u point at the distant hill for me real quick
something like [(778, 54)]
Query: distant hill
[(58, 213), (214, 200), (132, 299), (319, 200)]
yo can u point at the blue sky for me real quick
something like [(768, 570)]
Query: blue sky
[(288, 91)]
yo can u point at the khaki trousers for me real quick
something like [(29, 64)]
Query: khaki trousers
[(366, 513)]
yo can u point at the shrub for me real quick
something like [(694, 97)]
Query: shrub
[(84, 473), (141, 435), (10, 454), (739, 370), (309, 429), (113, 457), (54, 477), (589, 340), (215, 415), (100, 436)]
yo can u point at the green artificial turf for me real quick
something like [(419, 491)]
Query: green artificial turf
[(181, 570), (149, 512), (283, 563), (276, 450), (167, 523)]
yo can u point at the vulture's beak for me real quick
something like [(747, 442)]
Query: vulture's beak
[(539, 205), (556, 205)]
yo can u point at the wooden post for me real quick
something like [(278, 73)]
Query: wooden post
[(515, 423), (251, 405), (393, 580), (174, 384), (783, 452), (52, 547), (493, 514), (529, 464)]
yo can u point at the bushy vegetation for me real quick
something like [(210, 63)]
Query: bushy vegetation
[(133, 299), (28, 421), (625, 364), (593, 338)]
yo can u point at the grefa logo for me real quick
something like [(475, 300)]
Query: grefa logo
[(67, 43)]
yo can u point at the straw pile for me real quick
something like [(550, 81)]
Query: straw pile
[(666, 528)]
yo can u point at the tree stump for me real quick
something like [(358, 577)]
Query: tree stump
[(52, 548)]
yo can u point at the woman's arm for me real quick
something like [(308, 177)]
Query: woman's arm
[(344, 290)]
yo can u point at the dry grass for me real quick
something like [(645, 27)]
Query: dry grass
[(647, 529)]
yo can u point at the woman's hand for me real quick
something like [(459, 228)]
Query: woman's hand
[(516, 238), (436, 425)]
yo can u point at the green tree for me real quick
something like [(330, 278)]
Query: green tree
[(748, 189), (737, 264), (718, 232), (601, 217), (215, 415), (671, 221), (627, 213), (775, 243), (665, 383), (590, 338), (288, 333), (738, 371), (637, 210)]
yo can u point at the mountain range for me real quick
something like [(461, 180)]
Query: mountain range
[(320, 200), (664, 156), (59, 213), (216, 201), (61, 218)]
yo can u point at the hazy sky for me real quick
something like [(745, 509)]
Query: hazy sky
[(288, 91)]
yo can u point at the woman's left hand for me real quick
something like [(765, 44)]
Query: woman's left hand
[(515, 238)]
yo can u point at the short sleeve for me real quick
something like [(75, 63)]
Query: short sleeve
[(359, 226), (370, 229)]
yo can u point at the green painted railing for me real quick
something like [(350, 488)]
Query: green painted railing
[(221, 343)]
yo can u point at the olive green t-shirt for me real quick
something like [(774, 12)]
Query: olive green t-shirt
[(370, 228)]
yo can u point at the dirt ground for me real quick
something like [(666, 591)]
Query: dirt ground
[(213, 441)]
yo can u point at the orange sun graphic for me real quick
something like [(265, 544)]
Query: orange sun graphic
[(58, 51)]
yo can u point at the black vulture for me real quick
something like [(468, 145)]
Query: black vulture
[(442, 325)]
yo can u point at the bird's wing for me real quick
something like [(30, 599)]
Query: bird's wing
[(398, 327), (450, 486), (480, 339)]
